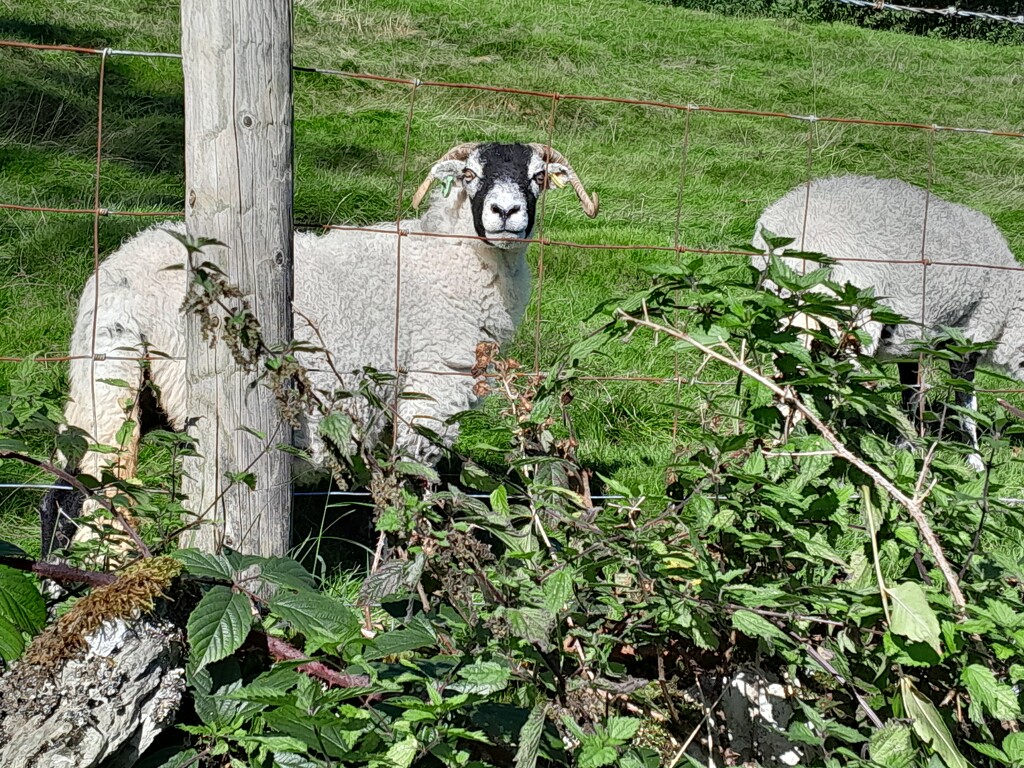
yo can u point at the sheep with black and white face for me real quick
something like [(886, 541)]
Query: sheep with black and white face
[(453, 293)]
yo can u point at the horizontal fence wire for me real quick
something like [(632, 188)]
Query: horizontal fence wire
[(556, 96), (297, 494), (951, 11), (1007, 501), (677, 248)]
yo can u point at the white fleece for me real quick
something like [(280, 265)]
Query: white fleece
[(861, 217), (454, 294)]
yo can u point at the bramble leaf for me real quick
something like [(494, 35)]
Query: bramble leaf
[(218, 625), (912, 617)]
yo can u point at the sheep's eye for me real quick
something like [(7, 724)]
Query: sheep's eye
[(539, 177), (468, 175)]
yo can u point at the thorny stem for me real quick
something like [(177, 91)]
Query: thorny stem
[(538, 524), (59, 572), (282, 651), (914, 505), (981, 520), (75, 483), (323, 348), (695, 731), (872, 716)]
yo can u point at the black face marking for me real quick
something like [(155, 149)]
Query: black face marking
[(510, 163)]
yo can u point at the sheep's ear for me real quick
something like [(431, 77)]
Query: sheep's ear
[(450, 165), (560, 170), (557, 175), (444, 169)]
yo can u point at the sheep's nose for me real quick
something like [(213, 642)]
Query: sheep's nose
[(504, 212)]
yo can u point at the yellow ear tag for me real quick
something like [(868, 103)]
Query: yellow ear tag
[(556, 180), (446, 185)]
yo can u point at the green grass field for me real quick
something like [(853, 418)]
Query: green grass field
[(349, 149)]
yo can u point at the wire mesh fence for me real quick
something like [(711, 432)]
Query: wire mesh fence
[(808, 148)]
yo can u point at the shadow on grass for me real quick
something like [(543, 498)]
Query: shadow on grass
[(48, 100)]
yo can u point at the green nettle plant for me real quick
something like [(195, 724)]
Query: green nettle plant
[(816, 544)]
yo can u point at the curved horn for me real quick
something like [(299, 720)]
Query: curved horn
[(459, 152), (552, 155)]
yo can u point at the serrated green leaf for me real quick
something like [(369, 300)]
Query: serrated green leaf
[(903, 651), (218, 625), (753, 625), (1013, 746), (703, 633), (204, 564), (595, 755), (533, 625), (20, 601), (845, 733), (402, 754), (891, 746), (482, 678), (1002, 614), (273, 687), (478, 479), (912, 617), (991, 750), (172, 757), (929, 725), (291, 760), (415, 469), (387, 580), (337, 427), (529, 736), (12, 644), (286, 572), (276, 743), (998, 699), (333, 733), (800, 732), (418, 634), (499, 501), (557, 588), (622, 729), (322, 619)]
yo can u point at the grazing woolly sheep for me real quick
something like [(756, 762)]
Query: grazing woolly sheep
[(455, 293), (870, 226)]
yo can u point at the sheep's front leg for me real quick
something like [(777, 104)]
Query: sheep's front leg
[(104, 397), (429, 400), (968, 400), (911, 394)]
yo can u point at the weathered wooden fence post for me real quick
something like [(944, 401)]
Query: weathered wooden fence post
[(237, 60)]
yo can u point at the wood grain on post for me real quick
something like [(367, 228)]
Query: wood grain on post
[(238, 154)]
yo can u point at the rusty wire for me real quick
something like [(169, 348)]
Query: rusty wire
[(678, 247)]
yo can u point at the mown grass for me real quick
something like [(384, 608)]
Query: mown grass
[(350, 137)]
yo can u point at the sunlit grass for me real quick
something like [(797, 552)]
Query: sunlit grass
[(641, 160)]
